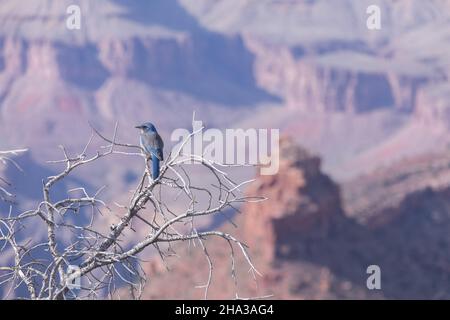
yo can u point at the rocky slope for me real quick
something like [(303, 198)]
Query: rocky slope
[(387, 187)]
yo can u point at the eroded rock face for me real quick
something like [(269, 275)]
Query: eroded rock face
[(300, 199), (317, 81)]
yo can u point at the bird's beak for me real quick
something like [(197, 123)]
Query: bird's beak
[(138, 127)]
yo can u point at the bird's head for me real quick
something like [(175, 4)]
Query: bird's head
[(147, 127)]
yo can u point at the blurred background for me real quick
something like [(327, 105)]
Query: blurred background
[(365, 118)]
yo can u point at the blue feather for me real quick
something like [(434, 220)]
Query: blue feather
[(152, 145)]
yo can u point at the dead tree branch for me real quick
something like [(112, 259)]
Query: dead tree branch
[(104, 258)]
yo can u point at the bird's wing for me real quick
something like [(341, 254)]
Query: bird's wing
[(160, 144), (153, 144)]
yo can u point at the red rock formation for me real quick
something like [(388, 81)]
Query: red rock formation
[(300, 199)]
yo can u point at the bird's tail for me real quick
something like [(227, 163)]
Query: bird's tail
[(155, 167)]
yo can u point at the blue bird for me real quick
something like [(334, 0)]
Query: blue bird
[(152, 145)]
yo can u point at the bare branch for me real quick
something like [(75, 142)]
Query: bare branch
[(106, 260)]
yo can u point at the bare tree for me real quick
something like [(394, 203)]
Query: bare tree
[(7, 157), (44, 268)]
